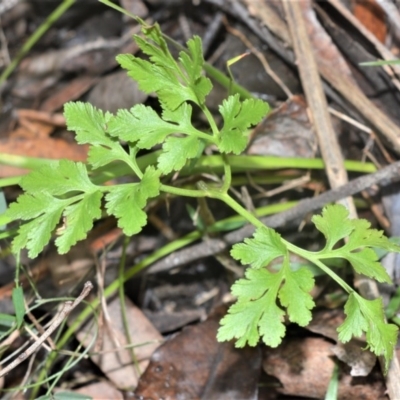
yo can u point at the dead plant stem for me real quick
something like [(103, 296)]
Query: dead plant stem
[(68, 306)]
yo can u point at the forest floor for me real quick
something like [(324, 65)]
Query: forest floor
[(333, 124)]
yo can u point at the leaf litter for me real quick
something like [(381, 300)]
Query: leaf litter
[(199, 338)]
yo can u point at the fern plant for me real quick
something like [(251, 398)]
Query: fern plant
[(64, 190)]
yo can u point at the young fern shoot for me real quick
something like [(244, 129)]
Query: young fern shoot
[(64, 190)]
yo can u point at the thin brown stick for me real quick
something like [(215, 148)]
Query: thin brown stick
[(39, 328), (68, 306)]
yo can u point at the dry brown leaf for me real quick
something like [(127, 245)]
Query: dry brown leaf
[(193, 365), (100, 391), (286, 132), (116, 363), (304, 366), (371, 15)]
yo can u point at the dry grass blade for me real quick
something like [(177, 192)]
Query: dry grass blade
[(68, 306), (316, 99)]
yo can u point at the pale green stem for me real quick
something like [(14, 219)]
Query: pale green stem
[(10, 181), (121, 10), (132, 162), (227, 175), (210, 120), (201, 135), (182, 192), (227, 199), (313, 258), (134, 167)]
